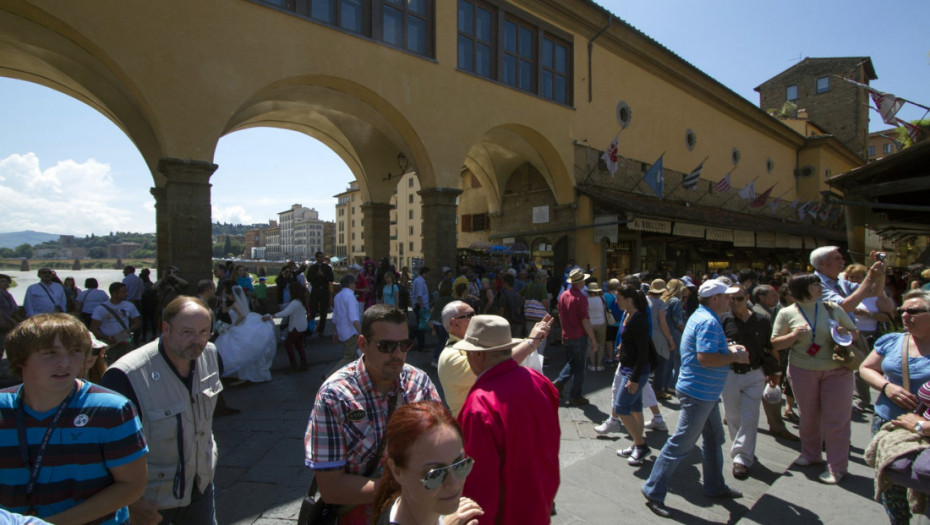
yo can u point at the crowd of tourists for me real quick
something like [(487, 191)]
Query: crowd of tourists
[(385, 447)]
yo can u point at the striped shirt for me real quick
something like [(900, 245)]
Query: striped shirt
[(703, 334), (349, 416), (98, 430)]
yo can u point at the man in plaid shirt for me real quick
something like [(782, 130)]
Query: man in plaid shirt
[(352, 408)]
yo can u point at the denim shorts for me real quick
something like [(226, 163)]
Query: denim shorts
[(627, 403)]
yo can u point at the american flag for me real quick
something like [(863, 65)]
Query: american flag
[(724, 185)]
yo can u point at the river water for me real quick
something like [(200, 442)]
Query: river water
[(104, 278)]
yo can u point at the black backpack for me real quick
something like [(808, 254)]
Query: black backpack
[(403, 297)]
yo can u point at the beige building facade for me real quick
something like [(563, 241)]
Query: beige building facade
[(521, 96)]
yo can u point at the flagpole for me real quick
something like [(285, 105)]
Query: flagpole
[(586, 177), (873, 90), (683, 179), (782, 195)]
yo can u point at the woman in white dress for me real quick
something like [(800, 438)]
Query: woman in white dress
[(248, 346)]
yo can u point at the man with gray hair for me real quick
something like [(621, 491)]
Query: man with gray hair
[(828, 263)]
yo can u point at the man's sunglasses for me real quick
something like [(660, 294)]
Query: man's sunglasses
[(913, 311), (739, 299), (388, 347), (437, 476), (469, 315)]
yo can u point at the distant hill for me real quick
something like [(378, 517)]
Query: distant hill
[(14, 239)]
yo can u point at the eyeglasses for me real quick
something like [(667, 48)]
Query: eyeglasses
[(739, 299), (469, 315), (913, 311), (437, 476), (388, 347)]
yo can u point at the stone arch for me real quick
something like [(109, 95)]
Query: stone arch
[(364, 129), (39, 48), (497, 154)]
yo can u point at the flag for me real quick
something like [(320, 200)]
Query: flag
[(802, 210), (912, 130), (774, 204), (611, 156), (812, 210), (724, 185), (888, 105), (655, 178), (794, 204), (690, 181), (749, 191), (760, 201)]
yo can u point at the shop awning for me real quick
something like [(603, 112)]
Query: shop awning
[(716, 219)]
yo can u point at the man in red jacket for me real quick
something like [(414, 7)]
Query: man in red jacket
[(510, 422)]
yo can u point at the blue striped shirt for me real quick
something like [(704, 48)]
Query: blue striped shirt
[(703, 333), (98, 430)]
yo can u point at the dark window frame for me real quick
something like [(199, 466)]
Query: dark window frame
[(372, 24), (817, 88), (503, 13), (788, 91)]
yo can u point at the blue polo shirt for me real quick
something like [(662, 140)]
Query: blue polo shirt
[(703, 334)]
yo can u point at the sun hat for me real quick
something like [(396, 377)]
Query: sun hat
[(594, 288), (657, 287), (734, 289), (712, 287), (687, 282), (576, 276), (487, 333)]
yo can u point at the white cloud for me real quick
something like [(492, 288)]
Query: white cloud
[(232, 215), (70, 197)]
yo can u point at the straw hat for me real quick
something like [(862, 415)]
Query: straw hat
[(487, 333), (577, 276), (594, 288), (657, 287)]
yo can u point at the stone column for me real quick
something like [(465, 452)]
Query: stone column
[(439, 238), (376, 223), (162, 246), (184, 219)]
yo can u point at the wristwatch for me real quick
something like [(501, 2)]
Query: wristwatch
[(919, 427)]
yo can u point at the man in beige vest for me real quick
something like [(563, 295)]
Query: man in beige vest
[(174, 382)]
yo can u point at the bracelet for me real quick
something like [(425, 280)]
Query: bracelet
[(884, 387)]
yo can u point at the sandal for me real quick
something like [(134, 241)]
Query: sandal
[(791, 416)]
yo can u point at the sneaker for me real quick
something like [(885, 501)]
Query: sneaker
[(626, 452), (830, 478), (656, 423), (600, 369), (639, 455), (608, 426), (592, 368), (804, 462)]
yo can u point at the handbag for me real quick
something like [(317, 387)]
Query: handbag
[(853, 355), (313, 511), (533, 310), (423, 319), (608, 315)]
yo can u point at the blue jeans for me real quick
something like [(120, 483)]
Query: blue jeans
[(576, 351), (200, 511), (698, 418)]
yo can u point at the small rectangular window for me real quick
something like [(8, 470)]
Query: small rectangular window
[(791, 93), (871, 151), (410, 199), (889, 148), (410, 182), (823, 85), (410, 214)]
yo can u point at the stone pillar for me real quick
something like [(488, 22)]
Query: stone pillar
[(184, 219), (376, 223), (439, 238)]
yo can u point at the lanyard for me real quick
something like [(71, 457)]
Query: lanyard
[(36, 466), (813, 326)]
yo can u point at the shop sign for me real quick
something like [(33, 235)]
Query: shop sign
[(765, 240), (508, 240), (542, 254), (650, 225), (719, 234), (782, 241), (608, 230), (619, 246), (540, 214), (688, 230), (794, 242), (744, 238)]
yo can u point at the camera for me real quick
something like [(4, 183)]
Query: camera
[(881, 256)]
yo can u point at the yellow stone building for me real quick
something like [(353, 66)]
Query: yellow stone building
[(519, 98)]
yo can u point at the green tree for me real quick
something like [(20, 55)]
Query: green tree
[(24, 250), (227, 247)]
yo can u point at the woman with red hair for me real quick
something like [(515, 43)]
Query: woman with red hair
[(425, 469)]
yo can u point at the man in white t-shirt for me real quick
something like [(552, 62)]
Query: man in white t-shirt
[(114, 322)]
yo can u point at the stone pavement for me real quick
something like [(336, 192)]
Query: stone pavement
[(261, 478)]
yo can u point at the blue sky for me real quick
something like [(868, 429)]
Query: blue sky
[(66, 169)]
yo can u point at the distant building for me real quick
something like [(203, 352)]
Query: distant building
[(273, 242), (883, 143), (122, 249), (329, 238), (407, 223), (350, 234), (839, 107), (301, 233), (252, 241)]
